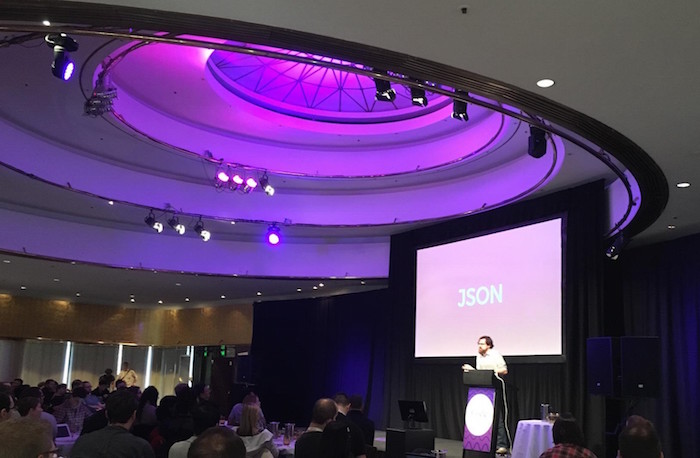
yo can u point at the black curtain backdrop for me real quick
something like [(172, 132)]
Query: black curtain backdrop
[(560, 384), (303, 350), (661, 297)]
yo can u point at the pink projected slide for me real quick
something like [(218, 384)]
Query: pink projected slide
[(506, 285)]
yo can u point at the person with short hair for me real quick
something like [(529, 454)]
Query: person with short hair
[(357, 440), (29, 406), (357, 415), (257, 440), (309, 444), (26, 438), (128, 375), (217, 442), (234, 417), (73, 411), (639, 439), (568, 440), (204, 417), (115, 441)]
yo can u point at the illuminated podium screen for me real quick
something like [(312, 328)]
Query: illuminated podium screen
[(479, 421)]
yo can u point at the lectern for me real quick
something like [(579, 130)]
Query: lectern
[(400, 443), (483, 407)]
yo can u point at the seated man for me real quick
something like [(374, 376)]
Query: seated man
[(357, 416), (309, 444), (115, 441), (357, 440), (568, 440), (639, 439), (234, 418), (26, 438), (217, 442), (203, 417), (73, 411)]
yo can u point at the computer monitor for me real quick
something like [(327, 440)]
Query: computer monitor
[(413, 411)]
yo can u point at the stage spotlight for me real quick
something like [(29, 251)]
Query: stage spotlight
[(199, 229), (223, 175), (62, 66), (236, 182), (265, 183), (459, 107), (537, 142), (151, 221), (384, 91), (613, 252), (418, 97), (250, 184), (174, 222), (273, 234)]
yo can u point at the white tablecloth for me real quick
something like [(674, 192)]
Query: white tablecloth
[(532, 438)]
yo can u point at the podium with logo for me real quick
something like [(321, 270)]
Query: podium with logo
[(483, 406)]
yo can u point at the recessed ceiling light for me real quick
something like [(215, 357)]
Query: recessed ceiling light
[(56, 279), (259, 293), (671, 226), (315, 287), (23, 287), (132, 300), (233, 222), (77, 294), (545, 83), (321, 285), (187, 299), (111, 202), (6, 261), (223, 297), (362, 282), (72, 262), (683, 184), (298, 290), (178, 284), (160, 302), (46, 22)]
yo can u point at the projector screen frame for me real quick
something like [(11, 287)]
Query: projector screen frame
[(511, 359)]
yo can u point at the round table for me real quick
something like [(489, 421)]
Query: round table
[(532, 438)]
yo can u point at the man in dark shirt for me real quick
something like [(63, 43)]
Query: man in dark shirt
[(357, 440), (309, 444), (115, 441), (357, 416)]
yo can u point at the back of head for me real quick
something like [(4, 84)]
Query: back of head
[(249, 420), (324, 411), (25, 438), (567, 431), (356, 402), (27, 403), (639, 440), (341, 399), (251, 398), (217, 442), (120, 406), (79, 392), (32, 392), (204, 417)]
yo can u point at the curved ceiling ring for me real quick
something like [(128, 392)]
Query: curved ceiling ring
[(649, 176)]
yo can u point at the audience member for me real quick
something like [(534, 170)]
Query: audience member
[(202, 394), (59, 397), (35, 392), (234, 418), (217, 442), (146, 413), (309, 444), (568, 440), (128, 375), (26, 438), (108, 376), (357, 416), (29, 407), (204, 417), (7, 404), (102, 390), (115, 441), (120, 385), (92, 401), (357, 440), (336, 440), (258, 441), (639, 439), (73, 411)]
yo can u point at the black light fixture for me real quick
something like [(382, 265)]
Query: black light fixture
[(199, 229), (174, 222), (62, 66), (418, 97), (384, 93), (154, 224), (613, 252), (537, 142), (459, 107), (267, 187)]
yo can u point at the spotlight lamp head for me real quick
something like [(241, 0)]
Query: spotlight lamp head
[(62, 66), (223, 176), (537, 142), (274, 236), (250, 184), (174, 222), (203, 233), (154, 224), (613, 252), (418, 97), (459, 107), (267, 187), (384, 93)]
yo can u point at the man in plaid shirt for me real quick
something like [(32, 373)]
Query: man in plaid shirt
[(568, 440)]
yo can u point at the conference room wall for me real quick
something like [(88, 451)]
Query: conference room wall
[(29, 318)]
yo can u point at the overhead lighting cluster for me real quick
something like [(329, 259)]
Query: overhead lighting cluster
[(227, 177), (102, 98), (385, 93), (174, 222)]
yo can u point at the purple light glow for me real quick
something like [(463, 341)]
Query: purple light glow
[(68, 71), (273, 238), (251, 183), (237, 179), (223, 176)]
